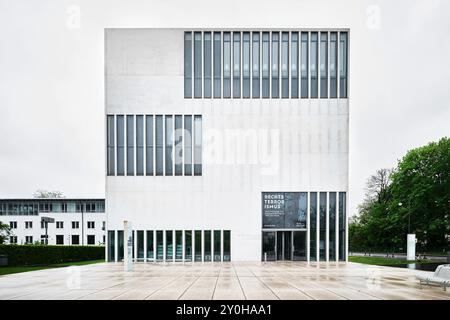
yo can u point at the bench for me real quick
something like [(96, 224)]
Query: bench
[(441, 277)]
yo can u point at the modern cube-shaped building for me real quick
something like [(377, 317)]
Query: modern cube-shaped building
[(227, 144)]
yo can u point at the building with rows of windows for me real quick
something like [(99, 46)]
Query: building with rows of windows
[(227, 145), (76, 221)]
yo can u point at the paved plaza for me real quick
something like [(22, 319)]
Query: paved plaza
[(235, 280)]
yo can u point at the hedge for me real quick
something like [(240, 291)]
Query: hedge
[(34, 255)]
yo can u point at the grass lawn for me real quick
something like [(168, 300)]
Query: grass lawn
[(379, 261), (9, 270)]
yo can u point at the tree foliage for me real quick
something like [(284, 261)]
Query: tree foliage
[(414, 197), (5, 232)]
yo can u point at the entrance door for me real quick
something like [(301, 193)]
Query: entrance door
[(283, 245)]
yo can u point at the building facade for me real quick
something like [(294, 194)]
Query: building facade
[(227, 145), (76, 221)]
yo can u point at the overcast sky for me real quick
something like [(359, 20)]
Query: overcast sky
[(52, 91)]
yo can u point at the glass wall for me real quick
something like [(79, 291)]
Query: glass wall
[(238, 57), (322, 226), (324, 65), (178, 245), (198, 245), (313, 226), (178, 157), (159, 145), (285, 65), (169, 145), (217, 65), (226, 245), (169, 245), (217, 245), (268, 246), (313, 66), (130, 145), (246, 65), (299, 246), (120, 245), (187, 65), (111, 245), (111, 170), (159, 245), (207, 245), (333, 65), (120, 145), (198, 145), (294, 65), (255, 69), (332, 226), (275, 63), (236, 65), (343, 65), (197, 64), (140, 244), (226, 65), (188, 245), (139, 145), (304, 65), (265, 65), (187, 145), (150, 249), (149, 145), (207, 64), (342, 220)]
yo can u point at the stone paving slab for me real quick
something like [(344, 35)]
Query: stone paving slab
[(215, 280)]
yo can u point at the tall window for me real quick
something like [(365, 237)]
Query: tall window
[(169, 245), (149, 145), (188, 145), (236, 65), (285, 65), (226, 65), (332, 226), (323, 65), (159, 145), (313, 62), (130, 145), (217, 65), (187, 65), (120, 145), (246, 65), (265, 65), (188, 245), (322, 225), (275, 63), (198, 245), (178, 157), (255, 63), (304, 65), (111, 145), (226, 245), (342, 220), (150, 249), (333, 65), (217, 245), (198, 145), (207, 64), (313, 226), (197, 64), (207, 245), (343, 65), (294, 65), (178, 245), (169, 145), (140, 145)]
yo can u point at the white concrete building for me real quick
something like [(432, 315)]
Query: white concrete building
[(227, 144), (76, 221)]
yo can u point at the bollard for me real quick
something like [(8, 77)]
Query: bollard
[(265, 257)]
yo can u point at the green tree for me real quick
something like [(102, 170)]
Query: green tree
[(5, 232)]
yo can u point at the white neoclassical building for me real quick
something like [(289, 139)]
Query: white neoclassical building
[(227, 144)]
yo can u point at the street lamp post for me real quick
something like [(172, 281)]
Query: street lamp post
[(410, 238)]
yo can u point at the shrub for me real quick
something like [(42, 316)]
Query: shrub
[(30, 255)]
